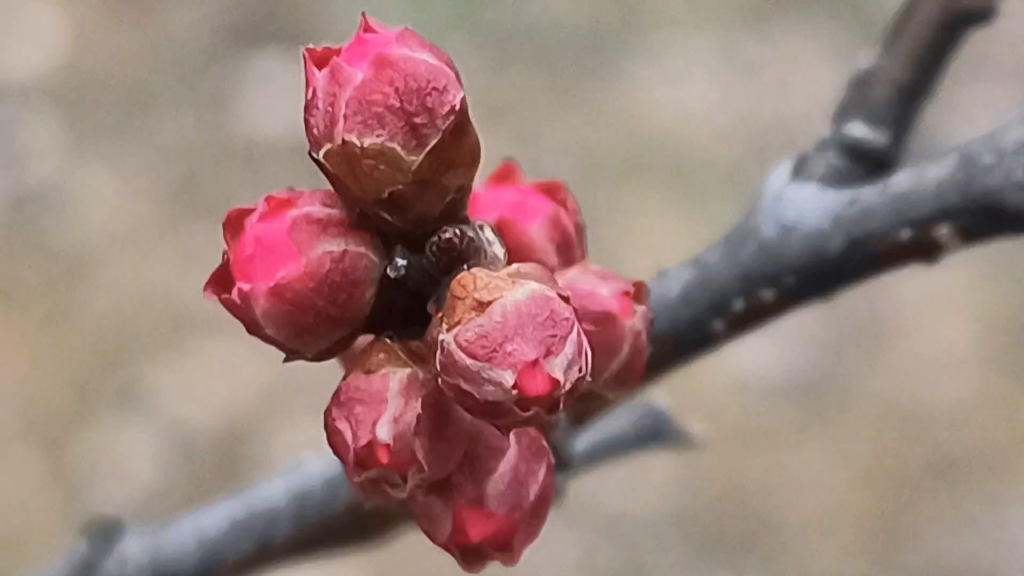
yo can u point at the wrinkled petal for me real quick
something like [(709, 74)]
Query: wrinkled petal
[(505, 339), (298, 272), (444, 433), (387, 124), (616, 320), (538, 221), (234, 223), (378, 421), (408, 40), (403, 101), (221, 287), (329, 81), (495, 503)]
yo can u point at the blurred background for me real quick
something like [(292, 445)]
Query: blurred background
[(879, 432)]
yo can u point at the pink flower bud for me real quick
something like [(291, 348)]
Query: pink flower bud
[(614, 315), (388, 124), (496, 501), (298, 273), (389, 424), (539, 221), (509, 343)]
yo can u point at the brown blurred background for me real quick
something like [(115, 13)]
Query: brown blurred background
[(878, 433)]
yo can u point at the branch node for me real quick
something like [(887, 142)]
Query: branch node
[(874, 117)]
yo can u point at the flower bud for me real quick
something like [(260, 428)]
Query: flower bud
[(298, 273), (462, 246), (388, 423), (450, 250), (509, 343), (388, 124), (495, 502), (538, 221), (614, 315)]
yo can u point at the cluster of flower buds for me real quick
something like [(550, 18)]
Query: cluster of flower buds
[(463, 318)]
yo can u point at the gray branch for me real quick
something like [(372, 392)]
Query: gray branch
[(803, 241), (311, 508), (839, 214), (825, 220)]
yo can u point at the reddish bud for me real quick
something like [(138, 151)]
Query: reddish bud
[(509, 343), (615, 318), (538, 221), (297, 272), (495, 502), (388, 124), (389, 424)]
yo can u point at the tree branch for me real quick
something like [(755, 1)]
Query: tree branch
[(824, 221), (874, 117), (804, 241), (310, 508), (828, 218)]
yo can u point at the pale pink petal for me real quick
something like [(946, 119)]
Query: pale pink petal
[(376, 418), (495, 503), (614, 315), (387, 124), (403, 101), (508, 346)]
